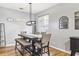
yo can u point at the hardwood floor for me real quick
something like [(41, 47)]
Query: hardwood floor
[(55, 52), (10, 51)]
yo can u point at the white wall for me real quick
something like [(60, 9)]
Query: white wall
[(60, 37), (13, 28)]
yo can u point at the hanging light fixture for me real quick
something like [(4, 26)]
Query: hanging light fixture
[(30, 23)]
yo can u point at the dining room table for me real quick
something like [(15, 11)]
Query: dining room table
[(33, 38)]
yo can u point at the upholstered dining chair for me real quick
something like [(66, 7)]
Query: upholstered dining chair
[(44, 44), (38, 33)]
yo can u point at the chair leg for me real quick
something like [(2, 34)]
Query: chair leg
[(48, 51)]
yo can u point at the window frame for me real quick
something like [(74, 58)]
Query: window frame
[(43, 26)]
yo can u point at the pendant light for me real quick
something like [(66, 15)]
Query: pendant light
[(30, 23)]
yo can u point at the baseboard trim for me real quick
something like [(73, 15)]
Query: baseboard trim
[(61, 49), (10, 45)]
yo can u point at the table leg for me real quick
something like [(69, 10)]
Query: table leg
[(15, 45), (73, 53), (33, 46)]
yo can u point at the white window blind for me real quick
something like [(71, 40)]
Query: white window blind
[(42, 25)]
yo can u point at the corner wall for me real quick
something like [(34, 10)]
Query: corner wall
[(60, 37)]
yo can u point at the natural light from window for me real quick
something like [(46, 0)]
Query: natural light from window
[(42, 23)]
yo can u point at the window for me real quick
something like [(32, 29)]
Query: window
[(42, 23)]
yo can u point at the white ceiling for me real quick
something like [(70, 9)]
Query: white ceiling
[(36, 7)]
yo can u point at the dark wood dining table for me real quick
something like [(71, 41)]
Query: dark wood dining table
[(33, 38)]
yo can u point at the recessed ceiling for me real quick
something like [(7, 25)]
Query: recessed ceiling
[(36, 7)]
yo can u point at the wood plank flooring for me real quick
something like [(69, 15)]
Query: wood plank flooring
[(10, 51)]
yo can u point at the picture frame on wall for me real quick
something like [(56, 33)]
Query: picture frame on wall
[(63, 22), (10, 19)]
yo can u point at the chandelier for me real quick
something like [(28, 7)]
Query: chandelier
[(30, 23)]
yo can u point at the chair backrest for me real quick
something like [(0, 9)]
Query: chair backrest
[(46, 37)]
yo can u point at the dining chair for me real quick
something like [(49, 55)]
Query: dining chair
[(38, 33), (43, 46)]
